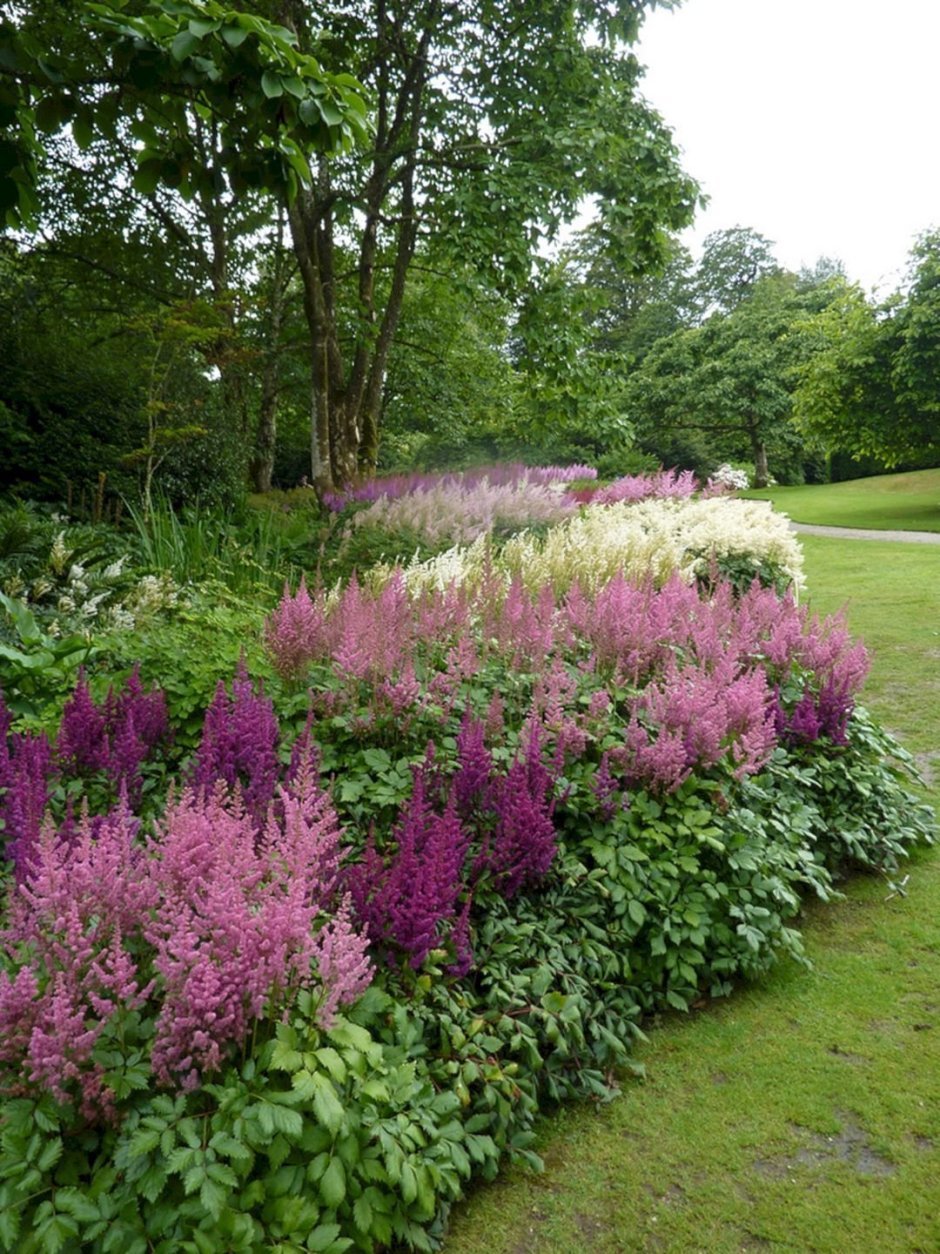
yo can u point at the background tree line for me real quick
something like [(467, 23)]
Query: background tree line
[(256, 246)]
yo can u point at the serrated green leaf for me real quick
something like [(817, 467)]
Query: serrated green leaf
[(333, 1184), (323, 1237), (362, 1213), (327, 1107)]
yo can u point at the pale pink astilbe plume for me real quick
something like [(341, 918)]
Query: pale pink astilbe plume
[(342, 960), (373, 635), (663, 484), (295, 632), (461, 512)]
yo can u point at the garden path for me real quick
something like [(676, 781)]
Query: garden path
[(864, 533)]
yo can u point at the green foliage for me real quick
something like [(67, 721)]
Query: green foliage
[(870, 388), (327, 1140), (35, 668), (729, 380), (271, 104)]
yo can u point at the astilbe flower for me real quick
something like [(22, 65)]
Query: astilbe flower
[(700, 716), (472, 780), (240, 736), (295, 632), (523, 844), (240, 925), (71, 919), (662, 485), (82, 743), (115, 737), (30, 772), (406, 900)]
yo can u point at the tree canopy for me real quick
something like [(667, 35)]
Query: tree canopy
[(475, 136), (871, 388)]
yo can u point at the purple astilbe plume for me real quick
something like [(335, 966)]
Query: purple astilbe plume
[(30, 774), (803, 725), (82, 743), (295, 632), (472, 780), (406, 900), (522, 844), (461, 941), (240, 736), (6, 722), (115, 737)]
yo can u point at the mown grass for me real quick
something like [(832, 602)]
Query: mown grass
[(906, 502), (802, 1113)]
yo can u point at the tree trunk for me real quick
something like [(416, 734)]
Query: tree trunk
[(262, 460), (759, 453)]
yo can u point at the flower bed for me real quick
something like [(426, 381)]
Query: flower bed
[(433, 874)]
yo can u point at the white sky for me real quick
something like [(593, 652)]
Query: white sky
[(816, 122)]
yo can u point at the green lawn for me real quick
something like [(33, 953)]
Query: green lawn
[(802, 1113), (908, 502)]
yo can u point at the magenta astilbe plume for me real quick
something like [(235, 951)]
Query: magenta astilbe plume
[(82, 743), (472, 781), (240, 736), (30, 774), (523, 843), (406, 900), (117, 736), (295, 633)]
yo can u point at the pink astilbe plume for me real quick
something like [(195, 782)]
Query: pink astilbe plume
[(295, 632), (240, 736), (84, 897), (663, 484), (237, 933)]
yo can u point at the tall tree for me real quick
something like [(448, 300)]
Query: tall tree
[(729, 380), (492, 123), (872, 387)]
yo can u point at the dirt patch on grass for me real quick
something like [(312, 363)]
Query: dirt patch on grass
[(849, 1145)]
